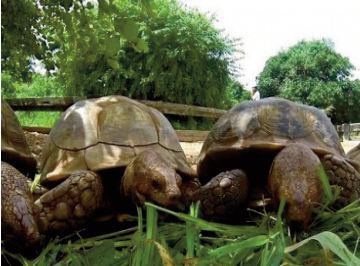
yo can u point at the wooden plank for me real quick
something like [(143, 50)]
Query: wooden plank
[(355, 127), (192, 135), (183, 135), (42, 104), (62, 103), (185, 110), (43, 130)]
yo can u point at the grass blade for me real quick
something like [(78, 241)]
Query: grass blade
[(332, 242), (151, 230)]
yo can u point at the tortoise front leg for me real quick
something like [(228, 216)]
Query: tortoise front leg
[(343, 174), (70, 203), (17, 220), (223, 196), (189, 188)]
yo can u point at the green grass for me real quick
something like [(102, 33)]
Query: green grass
[(38, 118), (332, 239)]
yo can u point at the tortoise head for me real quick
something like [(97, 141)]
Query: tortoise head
[(150, 177), (294, 176)]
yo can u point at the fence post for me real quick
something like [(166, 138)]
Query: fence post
[(346, 130)]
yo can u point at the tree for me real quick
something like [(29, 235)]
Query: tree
[(183, 58), (143, 49), (236, 93), (312, 72), (19, 39), (47, 30)]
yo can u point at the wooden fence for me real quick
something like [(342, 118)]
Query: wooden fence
[(62, 103), (345, 130)]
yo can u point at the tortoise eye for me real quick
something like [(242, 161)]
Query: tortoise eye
[(156, 184)]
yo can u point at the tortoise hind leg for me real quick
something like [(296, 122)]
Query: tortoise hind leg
[(70, 203), (343, 174)]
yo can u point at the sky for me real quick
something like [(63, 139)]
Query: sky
[(268, 26)]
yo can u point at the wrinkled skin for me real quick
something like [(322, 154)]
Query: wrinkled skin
[(17, 220), (294, 176), (224, 196), (148, 176)]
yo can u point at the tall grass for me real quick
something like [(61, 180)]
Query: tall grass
[(333, 239), (38, 118)]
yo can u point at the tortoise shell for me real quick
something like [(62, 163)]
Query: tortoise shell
[(108, 132), (14, 147), (354, 155), (251, 133)]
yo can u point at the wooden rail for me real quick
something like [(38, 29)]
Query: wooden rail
[(345, 130), (62, 103)]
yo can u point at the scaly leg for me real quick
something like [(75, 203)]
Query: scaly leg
[(70, 203), (344, 175), (17, 208), (224, 195)]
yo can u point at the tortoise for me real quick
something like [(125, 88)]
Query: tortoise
[(17, 165), (262, 151), (354, 154), (110, 151)]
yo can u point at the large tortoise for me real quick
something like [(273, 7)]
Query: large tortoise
[(17, 164), (110, 151), (268, 149), (354, 154)]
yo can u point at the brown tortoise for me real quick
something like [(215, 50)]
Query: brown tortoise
[(17, 164), (270, 149), (354, 155), (110, 151)]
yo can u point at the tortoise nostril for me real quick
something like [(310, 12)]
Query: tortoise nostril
[(174, 196)]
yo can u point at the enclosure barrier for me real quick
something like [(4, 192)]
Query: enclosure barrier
[(62, 103), (345, 130)]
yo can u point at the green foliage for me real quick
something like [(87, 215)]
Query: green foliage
[(170, 54), (8, 85), (235, 93), (313, 73), (19, 24), (142, 49), (40, 86), (332, 239)]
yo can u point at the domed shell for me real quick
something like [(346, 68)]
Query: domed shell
[(354, 155), (14, 147), (269, 124), (105, 133)]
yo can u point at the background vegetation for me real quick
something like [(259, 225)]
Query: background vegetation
[(314, 73), (155, 50), (158, 50)]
